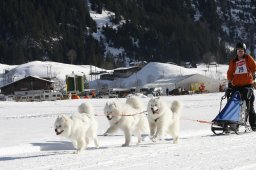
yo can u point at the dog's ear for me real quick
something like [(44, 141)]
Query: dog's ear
[(60, 116), (114, 103), (64, 117)]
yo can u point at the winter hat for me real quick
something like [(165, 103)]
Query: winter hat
[(241, 45)]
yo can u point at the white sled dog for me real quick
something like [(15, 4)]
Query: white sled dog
[(128, 117), (164, 119), (80, 128)]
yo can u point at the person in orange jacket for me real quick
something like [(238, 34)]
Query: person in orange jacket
[(240, 76)]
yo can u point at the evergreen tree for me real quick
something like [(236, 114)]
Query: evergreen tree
[(36, 30)]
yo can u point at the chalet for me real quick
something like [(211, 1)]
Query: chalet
[(26, 84)]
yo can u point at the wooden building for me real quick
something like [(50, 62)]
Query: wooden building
[(26, 84)]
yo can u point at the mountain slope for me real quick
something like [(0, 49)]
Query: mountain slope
[(162, 31)]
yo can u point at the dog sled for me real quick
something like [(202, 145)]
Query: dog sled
[(234, 116)]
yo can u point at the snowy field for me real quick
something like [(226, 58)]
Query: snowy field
[(28, 140)]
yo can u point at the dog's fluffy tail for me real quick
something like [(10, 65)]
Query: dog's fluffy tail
[(86, 108), (176, 107), (135, 102)]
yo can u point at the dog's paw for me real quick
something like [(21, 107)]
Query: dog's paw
[(154, 139), (125, 145), (76, 152), (106, 134), (176, 141)]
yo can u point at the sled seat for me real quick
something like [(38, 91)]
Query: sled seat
[(231, 117)]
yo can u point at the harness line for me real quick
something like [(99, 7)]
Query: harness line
[(122, 114), (194, 120), (200, 121)]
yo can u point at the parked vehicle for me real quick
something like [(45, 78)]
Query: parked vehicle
[(118, 92), (155, 91), (2, 97), (178, 91), (37, 95)]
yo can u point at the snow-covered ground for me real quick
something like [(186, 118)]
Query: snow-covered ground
[(28, 140)]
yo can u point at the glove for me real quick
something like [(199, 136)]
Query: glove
[(230, 86), (228, 91)]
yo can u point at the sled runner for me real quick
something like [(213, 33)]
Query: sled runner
[(233, 117)]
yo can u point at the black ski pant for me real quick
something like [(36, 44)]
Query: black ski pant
[(251, 112)]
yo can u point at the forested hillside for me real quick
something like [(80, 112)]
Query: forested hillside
[(165, 30), (151, 30), (57, 30)]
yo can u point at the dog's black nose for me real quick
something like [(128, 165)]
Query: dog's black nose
[(154, 111), (108, 117), (56, 130)]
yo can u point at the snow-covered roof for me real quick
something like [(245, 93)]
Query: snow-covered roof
[(36, 77)]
